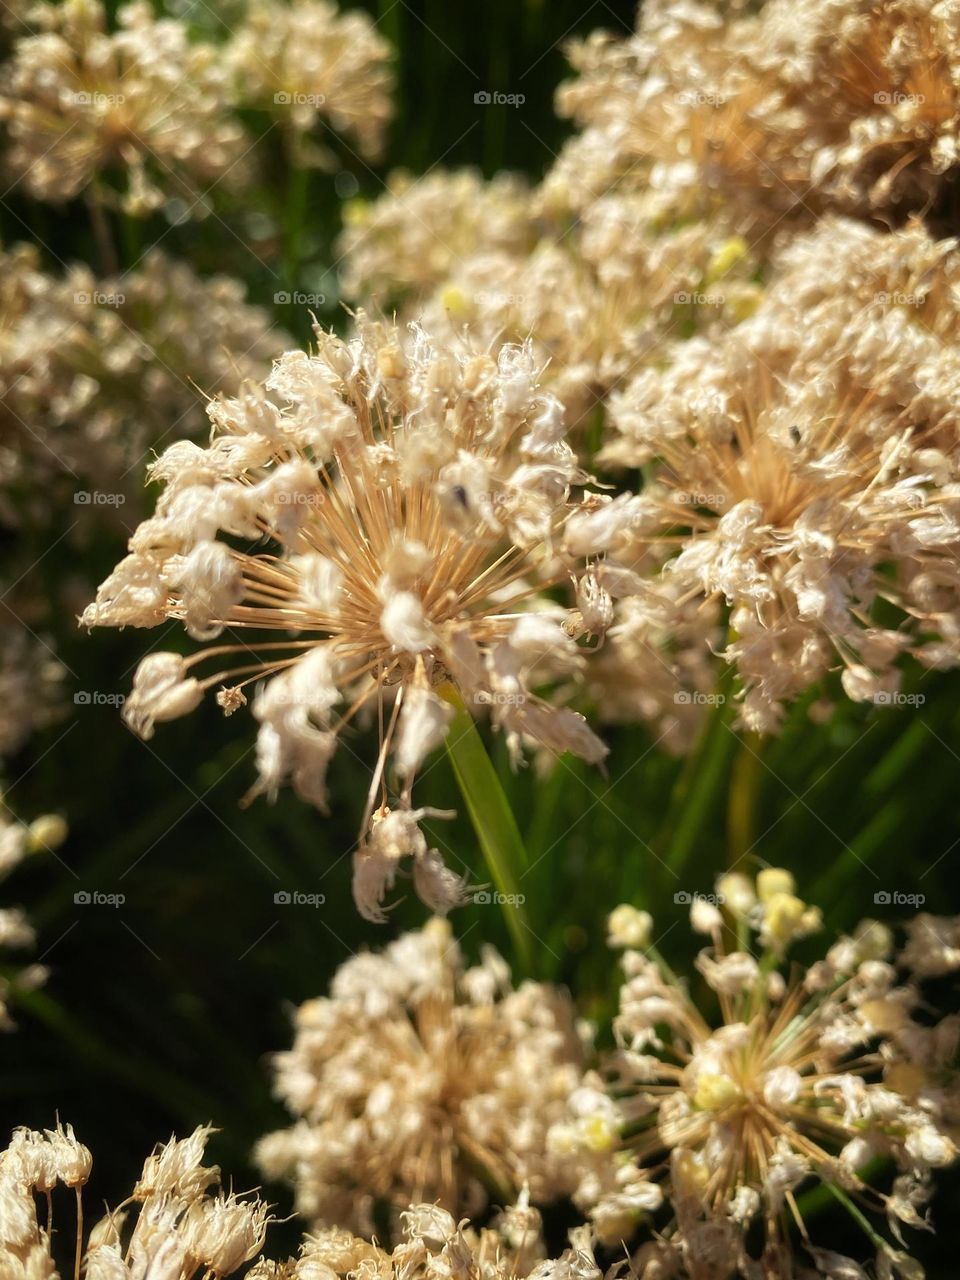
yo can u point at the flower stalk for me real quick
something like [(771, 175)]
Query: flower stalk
[(492, 819)]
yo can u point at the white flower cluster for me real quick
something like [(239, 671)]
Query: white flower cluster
[(420, 1078), (723, 1115), (413, 498)]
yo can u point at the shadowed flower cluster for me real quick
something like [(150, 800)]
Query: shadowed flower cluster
[(419, 1078)]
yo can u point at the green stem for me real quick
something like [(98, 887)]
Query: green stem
[(742, 801), (492, 819), (702, 781)]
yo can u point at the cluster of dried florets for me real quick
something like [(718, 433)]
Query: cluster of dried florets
[(420, 230), (31, 683), (722, 1120), (147, 104), (435, 1247), (176, 1221), (413, 499), (94, 371), (418, 1078), (803, 469), (789, 402), (144, 100), (768, 116), (304, 61)]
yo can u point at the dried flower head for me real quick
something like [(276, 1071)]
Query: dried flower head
[(412, 499), (418, 1078), (798, 1079), (420, 230), (433, 1244), (802, 468), (303, 61), (175, 1222), (94, 371), (143, 101), (769, 118)]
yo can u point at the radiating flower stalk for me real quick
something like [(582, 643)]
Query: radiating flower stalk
[(813, 1077)]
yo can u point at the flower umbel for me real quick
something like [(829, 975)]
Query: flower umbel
[(418, 1078), (412, 499), (801, 1079)]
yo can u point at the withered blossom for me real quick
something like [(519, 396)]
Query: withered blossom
[(419, 1078), (721, 1115), (398, 516)]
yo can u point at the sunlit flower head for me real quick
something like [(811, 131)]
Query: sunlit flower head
[(306, 61), (176, 1221), (143, 102), (801, 470), (722, 1110), (389, 531)]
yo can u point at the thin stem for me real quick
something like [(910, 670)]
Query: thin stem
[(742, 800), (703, 780), (492, 819)]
